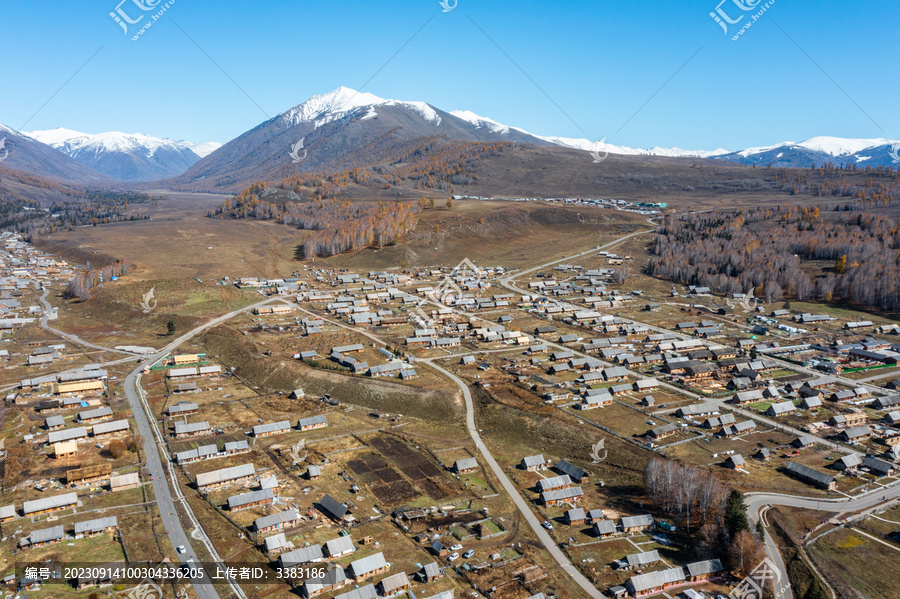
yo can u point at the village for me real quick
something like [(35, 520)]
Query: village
[(346, 500)]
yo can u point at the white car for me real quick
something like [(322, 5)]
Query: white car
[(181, 549), (453, 557), (546, 524), (456, 547)]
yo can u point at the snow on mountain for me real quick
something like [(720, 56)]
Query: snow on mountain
[(589, 146), (23, 153), (328, 107), (72, 142), (205, 149), (480, 121), (833, 146), (586, 144), (128, 157)]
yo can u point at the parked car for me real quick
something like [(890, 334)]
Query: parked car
[(546, 524), (456, 547), (453, 557), (469, 553)]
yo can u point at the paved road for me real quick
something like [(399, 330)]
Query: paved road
[(513, 493), (863, 504), (154, 444), (860, 503), (510, 489)]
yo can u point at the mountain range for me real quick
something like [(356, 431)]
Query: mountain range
[(346, 129), (126, 157)]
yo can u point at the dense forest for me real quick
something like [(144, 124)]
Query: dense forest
[(69, 207), (768, 251), (713, 515), (339, 225), (336, 225)]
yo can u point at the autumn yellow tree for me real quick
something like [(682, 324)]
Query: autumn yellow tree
[(840, 265)]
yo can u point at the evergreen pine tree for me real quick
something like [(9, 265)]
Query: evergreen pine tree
[(736, 513)]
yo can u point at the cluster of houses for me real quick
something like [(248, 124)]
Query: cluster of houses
[(603, 528), (563, 489), (22, 268), (58, 533), (651, 583), (64, 441)]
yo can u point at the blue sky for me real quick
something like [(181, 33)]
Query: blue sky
[(585, 69)]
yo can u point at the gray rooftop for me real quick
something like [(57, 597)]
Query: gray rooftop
[(97, 525), (363, 566), (225, 474), (247, 498), (272, 427), (67, 435), (47, 534), (275, 519), (49, 503)]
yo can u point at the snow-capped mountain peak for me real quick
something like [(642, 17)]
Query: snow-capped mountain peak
[(330, 106), (70, 141), (832, 146), (126, 156), (334, 105)]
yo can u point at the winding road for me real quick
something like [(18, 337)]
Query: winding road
[(168, 495), (154, 444), (871, 501), (513, 493)]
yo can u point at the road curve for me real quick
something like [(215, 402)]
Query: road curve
[(73, 338), (511, 490), (154, 443)]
